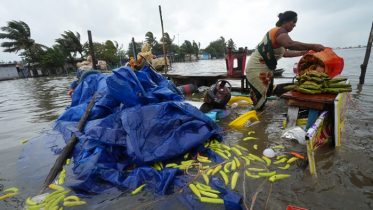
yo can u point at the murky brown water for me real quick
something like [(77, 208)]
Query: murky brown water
[(344, 180)]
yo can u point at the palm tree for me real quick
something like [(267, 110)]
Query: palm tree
[(70, 44), (19, 34), (150, 39), (196, 48), (223, 44), (231, 44)]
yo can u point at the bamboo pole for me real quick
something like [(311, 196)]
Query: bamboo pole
[(92, 50), (68, 149), (134, 49), (164, 48), (364, 66)]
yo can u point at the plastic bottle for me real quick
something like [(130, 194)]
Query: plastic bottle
[(234, 105)]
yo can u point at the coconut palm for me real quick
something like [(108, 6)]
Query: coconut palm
[(19, 34), (150, 39), (70, 45), (196, 47)]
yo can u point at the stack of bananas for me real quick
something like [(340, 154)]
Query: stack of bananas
[(317, 82)]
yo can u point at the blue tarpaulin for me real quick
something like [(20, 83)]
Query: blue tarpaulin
[(136, 121)]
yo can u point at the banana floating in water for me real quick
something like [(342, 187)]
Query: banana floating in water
[(278, 147), (206, 178), (137, 190), (12, 189), (285, 167), (226, 147), (226, 166), (237, 151), (292, 160), (256, 169), (267, 174), (238, 163), (225, 177), (216, 169), (281, 156), (250, 138), (256, 158), (250, 132), (8, 195), (241, 147), (255, 146), (278, 176), (282, 160), (268, 161), (234, 180), (251, 175)]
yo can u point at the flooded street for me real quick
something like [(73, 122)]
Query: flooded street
[(28, 107)]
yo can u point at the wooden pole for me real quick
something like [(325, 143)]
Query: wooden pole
[(68, 149), (164, 48), (364, 66), (134, 49), (92, 50)]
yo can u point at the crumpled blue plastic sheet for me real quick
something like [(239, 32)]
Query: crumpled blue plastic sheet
[(136, 121)]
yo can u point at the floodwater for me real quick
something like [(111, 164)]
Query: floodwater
[(28, 107)]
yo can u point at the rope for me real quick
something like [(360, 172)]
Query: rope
[(354, 104), (269, 194)]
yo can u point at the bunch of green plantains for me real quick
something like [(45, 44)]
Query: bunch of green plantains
[(318, 83)]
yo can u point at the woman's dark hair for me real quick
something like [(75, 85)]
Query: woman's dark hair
[(285, 17)]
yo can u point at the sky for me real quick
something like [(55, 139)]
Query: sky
[(337, 23)]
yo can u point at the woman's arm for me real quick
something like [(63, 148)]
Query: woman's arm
[(294, 53), (285, 41)]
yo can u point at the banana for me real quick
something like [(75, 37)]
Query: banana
[(195, 190), (251, 175), (186, 155), (241, 147), (267, 174), (292, 160), (250, 158), (72, 198), (221, 155), (12, 189), (199, 187), (208, 194), (73, 203), (24, 141), (268, 161), (187, 162), (157, 167), (52, 196), (55, 202), (226, 147), (255, 146), (202, 185), (170, 165), (237, 151), (250, 138), (256, 158), (226, 166), (206, 178), (228, 153), (234, 180), (212, 200), (238, 163), (256, 169), (202, 160), (137, 190), (278, 147), (281, 156), (68, 161), (217, 168), (247, 160), (209, 172), (233, 165), (278, 176), (8, 195), (218, 150), (30, 202), (37, 207), (225, 177), (282, 160), (250, 132), (285, 167)]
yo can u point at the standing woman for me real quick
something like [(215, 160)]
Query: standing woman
[(263, 62)]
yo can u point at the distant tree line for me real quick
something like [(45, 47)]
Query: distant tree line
[(69, 46)]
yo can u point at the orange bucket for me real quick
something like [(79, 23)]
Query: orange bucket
[(333, 63)]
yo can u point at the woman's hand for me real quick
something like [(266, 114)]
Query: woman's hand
[(318, 48)]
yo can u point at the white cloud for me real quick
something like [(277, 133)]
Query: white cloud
[(331, 23)]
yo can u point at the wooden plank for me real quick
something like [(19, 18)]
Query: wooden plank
[(319, 98), (306, 104), (291, 118)]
